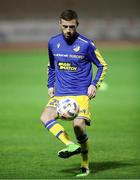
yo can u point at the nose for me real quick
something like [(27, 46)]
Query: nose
[(68, 29)]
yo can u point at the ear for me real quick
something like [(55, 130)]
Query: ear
[(77, 23), (60, 22), (60, 25)]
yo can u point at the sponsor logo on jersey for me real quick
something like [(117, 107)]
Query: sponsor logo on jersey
[(74, 56), (67, 66)]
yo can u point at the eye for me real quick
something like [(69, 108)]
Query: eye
[(64, 26), (72, 26)]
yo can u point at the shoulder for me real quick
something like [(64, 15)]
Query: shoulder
[(83, 39), (86, 41), (53, 39)]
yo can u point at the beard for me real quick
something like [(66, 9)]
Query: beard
[(70, 38), (68, 35)]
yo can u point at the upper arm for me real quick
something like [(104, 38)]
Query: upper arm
[(51, 57), (95, 56)]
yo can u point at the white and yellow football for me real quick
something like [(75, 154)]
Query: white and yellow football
[(67, 109)]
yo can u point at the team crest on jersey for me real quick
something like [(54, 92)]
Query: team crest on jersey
[(76, 48), (58, 45)]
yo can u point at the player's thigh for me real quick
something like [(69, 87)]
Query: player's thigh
[(84, 113), (48, 114)]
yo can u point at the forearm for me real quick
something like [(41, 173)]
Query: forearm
[(100, 75), (102, 69), (51, 77)]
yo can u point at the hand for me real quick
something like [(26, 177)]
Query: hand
[(92, 91), (51, 92)]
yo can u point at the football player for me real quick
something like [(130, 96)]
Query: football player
[(70, 74)]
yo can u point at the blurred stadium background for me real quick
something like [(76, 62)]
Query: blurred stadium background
[(35, 21), (27, 151)]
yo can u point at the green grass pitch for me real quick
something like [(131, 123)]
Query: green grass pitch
[(28, 151)]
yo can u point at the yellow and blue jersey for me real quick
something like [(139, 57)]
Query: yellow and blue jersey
[(70, 65)]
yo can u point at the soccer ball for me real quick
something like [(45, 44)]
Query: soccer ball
[(67, 109)]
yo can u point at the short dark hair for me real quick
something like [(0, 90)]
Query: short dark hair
[(69, 15)]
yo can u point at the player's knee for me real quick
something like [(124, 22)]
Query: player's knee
[(79, 125), (78, 128), (48, 115)]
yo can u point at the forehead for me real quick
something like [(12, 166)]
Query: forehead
[(71, 22)]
